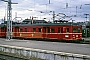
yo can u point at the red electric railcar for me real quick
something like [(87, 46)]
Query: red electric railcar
[(55, 31), (2, 30)]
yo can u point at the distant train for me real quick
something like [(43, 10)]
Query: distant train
[(84, 34), (52, 31)]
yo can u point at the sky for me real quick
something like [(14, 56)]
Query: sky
[(73, 9)]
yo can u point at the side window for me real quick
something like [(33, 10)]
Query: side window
[(2, 29), (20, 29), (39, 29), (79, 30), (48, 30), (67, 30), (74, 30), (34, 29), (26, 30), (52, 30), (59, 30)]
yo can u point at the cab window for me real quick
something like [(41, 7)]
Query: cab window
[(34, 29), (48, 30), (74, 30), (59, 30), (39, 29), (79, 30), (52, 30)]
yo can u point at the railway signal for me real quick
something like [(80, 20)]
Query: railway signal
[(86, 16)]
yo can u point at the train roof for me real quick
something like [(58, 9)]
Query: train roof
[(34, 21), (2, 25), (49, 24)]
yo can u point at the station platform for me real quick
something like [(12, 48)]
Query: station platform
[(83, 49)]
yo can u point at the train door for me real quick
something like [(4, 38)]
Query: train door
[(16, 31), (3, 30), (60, 33), (46, 30)]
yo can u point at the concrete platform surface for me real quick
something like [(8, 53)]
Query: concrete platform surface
[(52, 46)]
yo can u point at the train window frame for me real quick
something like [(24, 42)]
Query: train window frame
[(67, 30), (39, 30), (79, 30), (21, 29), (59, 30), (34, 29), (2, 29), (74, 30), (48, 29), (52, 30), (26, 30)]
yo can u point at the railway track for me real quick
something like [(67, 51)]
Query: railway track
[(86, 41), (47, 40), (79, 42)]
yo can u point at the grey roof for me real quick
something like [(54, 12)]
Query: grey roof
[(2, 25), (48, 24)]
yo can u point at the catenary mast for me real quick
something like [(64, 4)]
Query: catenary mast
[(9, 19), (9, 22)]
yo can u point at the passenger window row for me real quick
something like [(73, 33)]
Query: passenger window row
[(52, 30)]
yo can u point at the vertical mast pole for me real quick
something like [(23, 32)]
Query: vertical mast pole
[(9, 23)]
